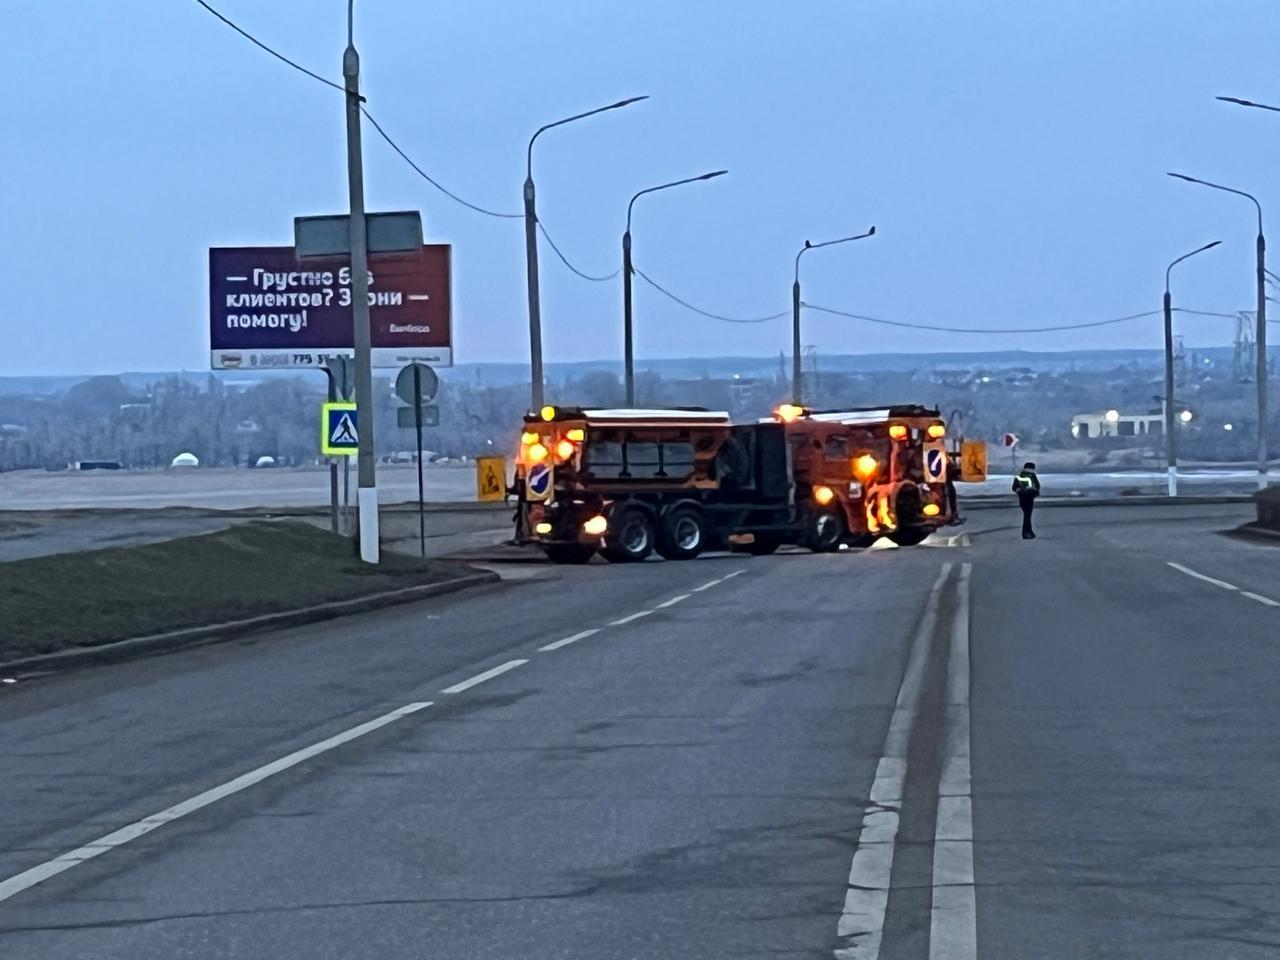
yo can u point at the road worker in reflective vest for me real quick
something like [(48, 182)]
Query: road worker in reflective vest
[(1027, 486)]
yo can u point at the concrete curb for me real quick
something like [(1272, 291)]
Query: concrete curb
[(194, 636), (179, 511), (1009, 503)]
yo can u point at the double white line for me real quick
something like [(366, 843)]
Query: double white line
[(953, 923)]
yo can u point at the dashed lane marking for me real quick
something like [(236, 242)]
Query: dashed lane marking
[(629, 618), (482, 677), (140, 828), (1260, 598), (580, 635), (1200, 576)]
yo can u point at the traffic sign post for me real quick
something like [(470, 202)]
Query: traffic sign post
[(1011, 440), (339, 430)]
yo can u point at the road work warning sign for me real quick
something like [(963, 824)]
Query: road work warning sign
[(973, 461), (339, 436), (491, 478)]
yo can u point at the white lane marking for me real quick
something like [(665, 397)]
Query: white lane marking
[(580, 635), (672, 602), (51, 868), (861, 924), (953, 921), (482, 677), (1260, 598), (1200, 576), (629, 618), (711, 583)]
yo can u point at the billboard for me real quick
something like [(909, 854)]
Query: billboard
[(268, 310)]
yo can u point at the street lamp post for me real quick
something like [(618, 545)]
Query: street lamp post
[(1261, 335), (531, 247), (628, 344), (1170, 448), (795, 308), (366, 477)]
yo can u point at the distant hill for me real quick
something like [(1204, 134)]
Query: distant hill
[(686, 368)]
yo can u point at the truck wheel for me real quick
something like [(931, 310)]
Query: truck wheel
[(569, 552), (684, 534), (826, 530), (631, 536)]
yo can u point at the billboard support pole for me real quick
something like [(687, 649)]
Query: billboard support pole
[(367, 486), (417, 426), (333, 464)]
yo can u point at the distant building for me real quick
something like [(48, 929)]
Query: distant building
[(1094, 426)]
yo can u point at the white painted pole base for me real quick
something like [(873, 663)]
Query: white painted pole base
[(367, 504), (1262, 480), (1173, 481)]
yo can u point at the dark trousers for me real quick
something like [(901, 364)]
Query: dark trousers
[(1028, 504)]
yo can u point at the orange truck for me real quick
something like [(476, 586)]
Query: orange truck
[(626, 483)]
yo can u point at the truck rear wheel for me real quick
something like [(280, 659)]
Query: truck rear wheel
[(631, 536), (826, 531), (684, 534), (569, 552)]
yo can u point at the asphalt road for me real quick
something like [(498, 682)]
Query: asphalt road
[(1002, 749)]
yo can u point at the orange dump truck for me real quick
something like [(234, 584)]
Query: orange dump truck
[(629, 482)]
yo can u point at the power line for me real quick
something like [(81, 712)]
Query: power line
[(279, 56), (940, 329), (705, 313), (368, 116), (565, 260), (427, 177)]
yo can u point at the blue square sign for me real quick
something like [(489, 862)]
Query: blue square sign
[(339, 436)]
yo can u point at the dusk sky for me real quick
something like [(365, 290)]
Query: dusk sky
[(1011, 155)]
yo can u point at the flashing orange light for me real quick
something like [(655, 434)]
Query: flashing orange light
[(547, 413), (542, 528), (937, 431), (823, 495), (931, 510), (787, 412), (537, 453), (529, 437), (898, 431), (565, 450), (576, 434), (865, 467), (595, 527)]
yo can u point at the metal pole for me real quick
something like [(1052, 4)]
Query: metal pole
[(628, 348), (417, 425), (333, 464), (795, 342), (535, 308), (1261, 345), (1171, 455), (367, 485)]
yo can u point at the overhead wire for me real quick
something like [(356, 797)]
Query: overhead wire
[(565, 260), (368, 116), (941, 329), (275, 53), (698, 310)]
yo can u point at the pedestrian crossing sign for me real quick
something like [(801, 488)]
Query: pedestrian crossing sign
[(339, 436)]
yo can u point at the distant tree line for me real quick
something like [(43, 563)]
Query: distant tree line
[(225, 423)]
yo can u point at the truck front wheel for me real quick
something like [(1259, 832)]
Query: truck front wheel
[(631, 536), (826, 530)]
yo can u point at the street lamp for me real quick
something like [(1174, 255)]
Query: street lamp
[(1260, 336), (1186, 416), (795, 308), (1171, 453), (531, 248), (627, 341)]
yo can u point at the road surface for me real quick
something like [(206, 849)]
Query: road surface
[(1057, 749)]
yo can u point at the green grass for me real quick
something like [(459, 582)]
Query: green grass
[(77, 599)]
